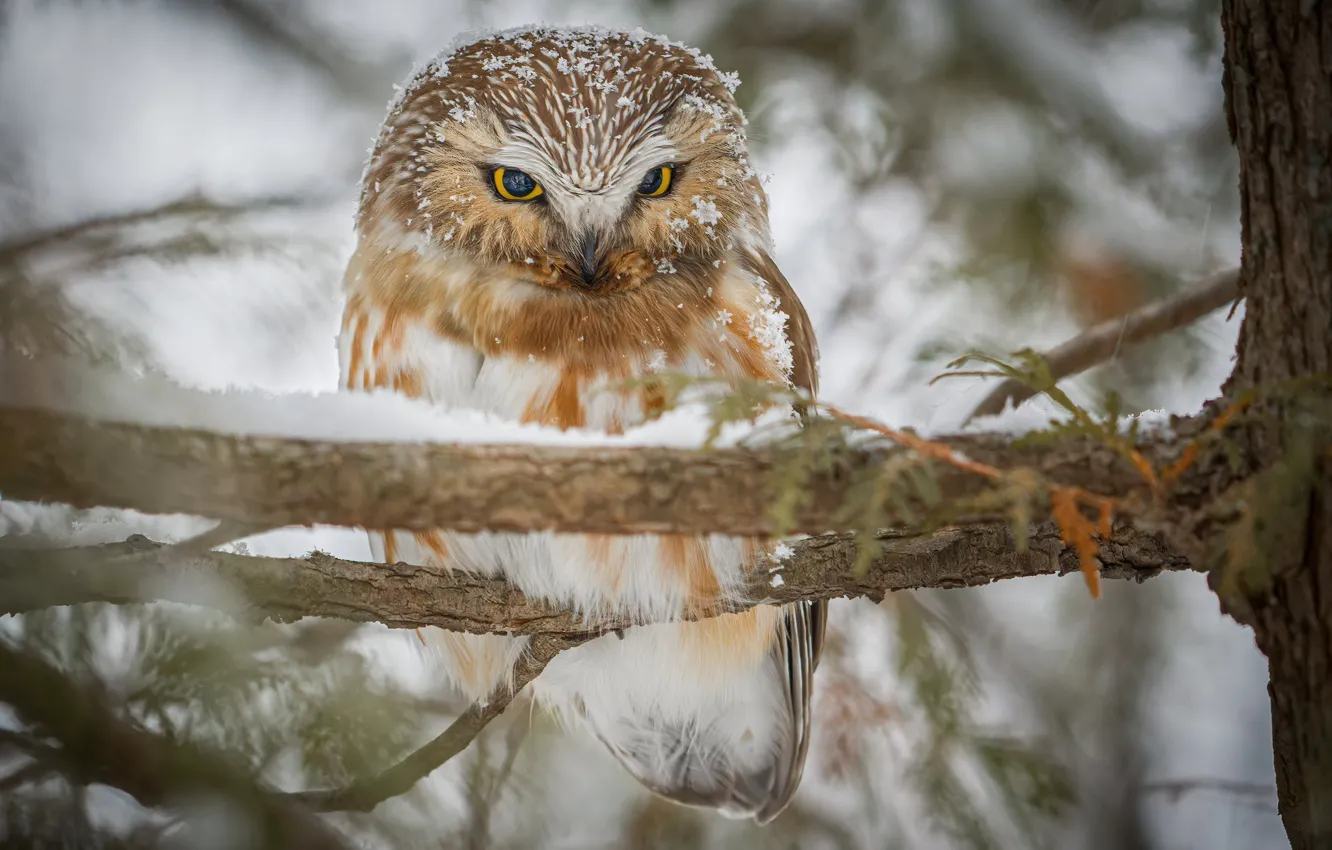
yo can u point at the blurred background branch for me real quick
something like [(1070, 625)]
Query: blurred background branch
[(98, 746), (1106, 340)]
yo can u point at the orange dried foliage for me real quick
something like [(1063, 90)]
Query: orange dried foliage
[(1190, 454), (938, 451), (1066, 503), (1144, 468), (1076, 530)]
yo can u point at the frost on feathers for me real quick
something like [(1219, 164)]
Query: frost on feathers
[(707, 214), (768, 329), (705, 210), (461, 113)]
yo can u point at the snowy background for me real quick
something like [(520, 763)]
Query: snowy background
[(177, 180)]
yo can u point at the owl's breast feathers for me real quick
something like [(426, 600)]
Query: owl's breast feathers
[(430, 325)]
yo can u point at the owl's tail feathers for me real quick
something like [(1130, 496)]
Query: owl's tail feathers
[(699, 765)]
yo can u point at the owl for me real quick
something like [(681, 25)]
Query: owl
[(550, 218)]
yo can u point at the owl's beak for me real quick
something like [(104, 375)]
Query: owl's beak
[(587, 259)]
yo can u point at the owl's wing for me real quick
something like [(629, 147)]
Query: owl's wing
[(719, 760), (705, 766), (804, 348), (800, 646), (798, 649)]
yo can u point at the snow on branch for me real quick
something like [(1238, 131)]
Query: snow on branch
[(272, 482)]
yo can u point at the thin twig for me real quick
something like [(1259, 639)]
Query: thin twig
[(19, 247), (24, 742), (28, 774), (364, 795), (226, 531), (1101, 342)]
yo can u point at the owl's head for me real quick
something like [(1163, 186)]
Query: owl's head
[(586, 160)]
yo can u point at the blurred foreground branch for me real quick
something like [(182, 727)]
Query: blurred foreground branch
[(1104, 341), (407, 596), (96, 745)]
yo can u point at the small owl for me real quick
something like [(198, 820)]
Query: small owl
[(549, 218)]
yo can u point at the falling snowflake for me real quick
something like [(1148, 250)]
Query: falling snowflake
[(768, 329), (462, 113)]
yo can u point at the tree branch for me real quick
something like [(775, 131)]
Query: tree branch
[(107, 749), (1103, 341), (364, 795), (274, 482), (406, 596)]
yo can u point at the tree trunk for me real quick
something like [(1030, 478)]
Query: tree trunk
[(1278, 81)]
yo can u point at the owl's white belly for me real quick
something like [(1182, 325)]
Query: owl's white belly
[(684, 674), (646, 576)]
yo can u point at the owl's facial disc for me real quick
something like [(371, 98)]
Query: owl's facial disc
[(590, 162)]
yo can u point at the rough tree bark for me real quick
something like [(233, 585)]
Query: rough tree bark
[(409, 597), (1278, 81)]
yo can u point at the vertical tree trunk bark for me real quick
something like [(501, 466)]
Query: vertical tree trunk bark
[(1278, 81)]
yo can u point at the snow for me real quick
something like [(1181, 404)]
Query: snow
[(705, 210), (382, 416), (768, 328), (268, 149)]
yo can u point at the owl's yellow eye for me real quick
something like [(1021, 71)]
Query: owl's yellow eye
[(657, 181), (515, 185)]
